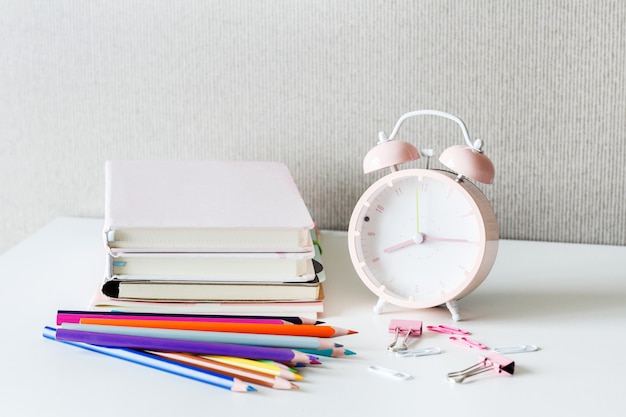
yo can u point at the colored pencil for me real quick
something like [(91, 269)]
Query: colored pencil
[(276, 329), (152, 361), (279, 364), (335, 352), (293, 342), (74, 316), (267, 367), (187, 346), (247, 375)]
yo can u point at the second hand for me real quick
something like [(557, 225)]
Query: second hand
[(417, 211)]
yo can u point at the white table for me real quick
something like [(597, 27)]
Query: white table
[(568, 299)]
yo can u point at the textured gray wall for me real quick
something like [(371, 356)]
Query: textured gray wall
[(310, 83)]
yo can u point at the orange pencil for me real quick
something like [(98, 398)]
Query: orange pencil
[(257, 328)]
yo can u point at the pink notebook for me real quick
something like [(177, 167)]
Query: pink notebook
[(204, 206)]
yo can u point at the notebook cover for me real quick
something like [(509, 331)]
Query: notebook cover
[(197, 195)]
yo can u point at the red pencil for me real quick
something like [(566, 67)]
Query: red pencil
[(257, 328)]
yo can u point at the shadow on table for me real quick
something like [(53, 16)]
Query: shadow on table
[(508, 306)]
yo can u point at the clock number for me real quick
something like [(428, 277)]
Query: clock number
[(380, 208), (398, 192)]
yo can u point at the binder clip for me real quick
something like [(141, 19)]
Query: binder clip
[(406, 329), (491, 362)]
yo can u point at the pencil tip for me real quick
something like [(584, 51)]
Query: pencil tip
[(298, 377), (338, 345), (315, 362), (352, 332), (349, 352)]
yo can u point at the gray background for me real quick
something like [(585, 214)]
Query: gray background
[(310, 84)]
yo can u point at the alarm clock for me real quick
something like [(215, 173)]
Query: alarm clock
[(421, 238)]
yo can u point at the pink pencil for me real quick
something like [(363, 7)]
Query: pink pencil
[(67, 316)]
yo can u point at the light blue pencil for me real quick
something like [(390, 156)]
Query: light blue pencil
[(251, 339), (162, 364)]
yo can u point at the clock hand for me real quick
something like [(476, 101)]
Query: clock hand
[(420, 238), (399, 246), (417, 239), (417, 211), (443, 239)]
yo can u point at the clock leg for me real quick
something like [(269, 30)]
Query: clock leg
[(378, 308), (453, 306)]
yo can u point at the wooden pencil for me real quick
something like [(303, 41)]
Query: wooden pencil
[(187, 346), (258, 328), (162, 364), (284, 341), (247, 375), (335, 352), (74, 316), (268, 367)]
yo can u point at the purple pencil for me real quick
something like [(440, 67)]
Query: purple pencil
[(188, 346)]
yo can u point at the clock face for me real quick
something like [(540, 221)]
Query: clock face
[(418, 238)]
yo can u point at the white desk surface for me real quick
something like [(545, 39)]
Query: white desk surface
[(568, 299)]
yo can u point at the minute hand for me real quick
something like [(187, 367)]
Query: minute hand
[(444, 239), (420, 238)]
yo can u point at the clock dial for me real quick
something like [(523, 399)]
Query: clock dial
[(418, 238)]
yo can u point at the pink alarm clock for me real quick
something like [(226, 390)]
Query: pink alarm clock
[(421, 238)]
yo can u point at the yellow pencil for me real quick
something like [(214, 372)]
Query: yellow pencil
[(258, 366)]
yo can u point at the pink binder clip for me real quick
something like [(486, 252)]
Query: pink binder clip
[(464, 341), (492, 362), (406, 328), (446, 329)]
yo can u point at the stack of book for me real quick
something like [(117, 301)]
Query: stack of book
[(224, 237)]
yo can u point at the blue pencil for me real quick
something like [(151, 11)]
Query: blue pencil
[(336, 352), (162, 364)]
